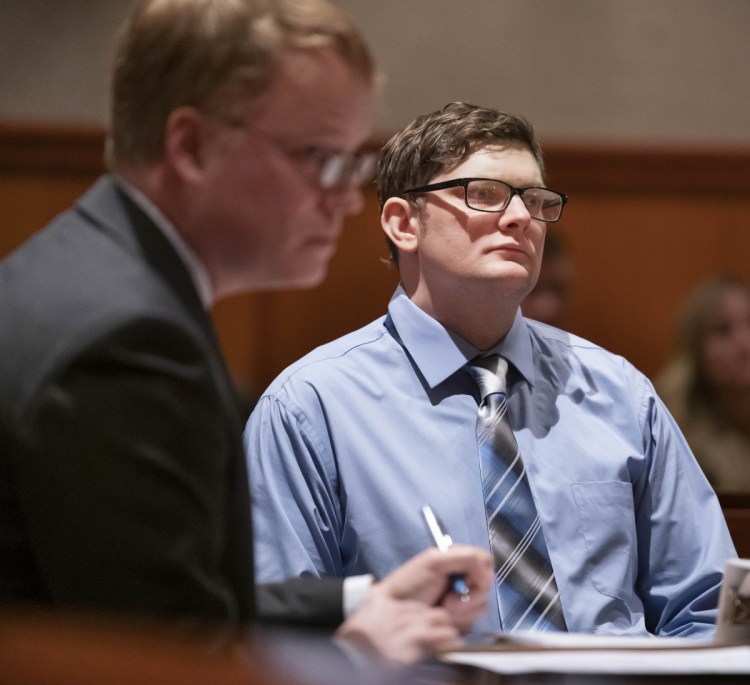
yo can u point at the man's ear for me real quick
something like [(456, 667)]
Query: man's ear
[(399, 222), (185, 135)]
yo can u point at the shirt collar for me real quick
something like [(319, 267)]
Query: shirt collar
[(194, 266), (439, 353)]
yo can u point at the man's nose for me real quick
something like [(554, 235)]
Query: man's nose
[(515, 214)]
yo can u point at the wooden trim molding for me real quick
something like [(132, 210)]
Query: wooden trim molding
[(77, 150), (51, 149), (734, 500), (647, 170)]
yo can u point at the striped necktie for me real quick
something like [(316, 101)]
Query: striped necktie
[(525, 583)]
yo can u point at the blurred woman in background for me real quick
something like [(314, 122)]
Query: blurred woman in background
[(707, 386)]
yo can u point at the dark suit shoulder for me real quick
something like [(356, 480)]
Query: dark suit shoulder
[(118, 423), (71, 286)]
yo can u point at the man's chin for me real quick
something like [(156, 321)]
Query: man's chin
[(512, 273), (303, 279)]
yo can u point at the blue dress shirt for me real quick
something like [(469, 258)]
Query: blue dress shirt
[(348, 443)]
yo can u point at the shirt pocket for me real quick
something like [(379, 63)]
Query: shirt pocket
[(607, 523)]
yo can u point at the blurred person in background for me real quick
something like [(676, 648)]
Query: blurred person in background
[(707, 385), (548, 302)]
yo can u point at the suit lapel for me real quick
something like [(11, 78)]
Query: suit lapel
[(112, 211)]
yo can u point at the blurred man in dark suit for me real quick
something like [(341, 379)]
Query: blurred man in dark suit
[(234, 153)]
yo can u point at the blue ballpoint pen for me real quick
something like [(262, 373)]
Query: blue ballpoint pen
[(443, 542)]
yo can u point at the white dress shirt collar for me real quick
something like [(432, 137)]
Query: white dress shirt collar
[(197, 271)]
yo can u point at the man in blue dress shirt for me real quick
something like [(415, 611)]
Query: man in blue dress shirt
[(349, 442)]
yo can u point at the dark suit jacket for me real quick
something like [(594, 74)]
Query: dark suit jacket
[(122, 476)]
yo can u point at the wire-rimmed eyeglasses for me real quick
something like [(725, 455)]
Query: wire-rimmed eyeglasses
[(328, 168), (491, 195), (343, 168), (332, 169)]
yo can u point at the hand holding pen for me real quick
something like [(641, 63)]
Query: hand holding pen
[(423, 578), (443, 542)]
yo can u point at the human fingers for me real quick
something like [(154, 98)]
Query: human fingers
[(399, 631), (439, 631), (464, 610), (425, 577), (422, 632), (472, 563)]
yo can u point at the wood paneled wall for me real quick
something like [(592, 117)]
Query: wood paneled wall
[(643, 227)]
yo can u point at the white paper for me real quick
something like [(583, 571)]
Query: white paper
[(564, 640), (716, 660), (586, 653)]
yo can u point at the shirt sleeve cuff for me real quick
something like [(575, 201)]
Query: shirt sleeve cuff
[(356, 589)]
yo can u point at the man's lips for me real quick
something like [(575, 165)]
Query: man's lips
[(510, 248)]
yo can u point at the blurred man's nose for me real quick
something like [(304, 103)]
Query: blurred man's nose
[(346, 199)]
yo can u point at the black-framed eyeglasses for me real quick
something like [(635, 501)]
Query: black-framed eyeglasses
[(491, 195)]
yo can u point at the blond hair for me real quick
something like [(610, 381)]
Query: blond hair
[(209, 54)]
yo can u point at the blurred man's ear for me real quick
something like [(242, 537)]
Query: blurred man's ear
[(185, 136)]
